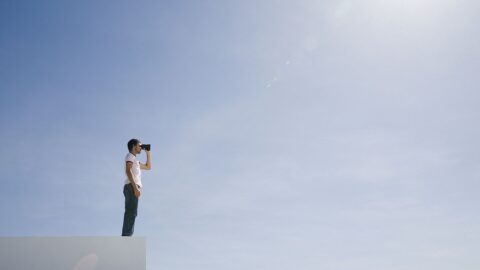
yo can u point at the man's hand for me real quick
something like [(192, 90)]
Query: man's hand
[(136, 192)]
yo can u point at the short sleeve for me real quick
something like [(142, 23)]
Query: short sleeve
[(130, 158)]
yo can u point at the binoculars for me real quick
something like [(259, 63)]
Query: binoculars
[(145, 147)]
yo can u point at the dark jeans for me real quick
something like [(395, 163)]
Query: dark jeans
[(131, 205)]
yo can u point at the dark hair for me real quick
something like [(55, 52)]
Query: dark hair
[(132, 143)]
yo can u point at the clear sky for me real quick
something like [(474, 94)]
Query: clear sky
[(305, 135)]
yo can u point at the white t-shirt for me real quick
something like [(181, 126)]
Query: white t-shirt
[(136, 172)]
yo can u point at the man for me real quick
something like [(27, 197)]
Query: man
[(133, 184)]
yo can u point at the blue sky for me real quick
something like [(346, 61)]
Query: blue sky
[(302, 135)]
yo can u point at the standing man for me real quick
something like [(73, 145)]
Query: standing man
[(133, 184)]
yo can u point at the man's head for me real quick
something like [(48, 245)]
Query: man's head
[(134, 146)]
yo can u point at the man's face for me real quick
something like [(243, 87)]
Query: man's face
[(137, 148)]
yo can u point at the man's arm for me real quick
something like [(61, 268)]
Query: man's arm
[(148, 165), (128, 171)]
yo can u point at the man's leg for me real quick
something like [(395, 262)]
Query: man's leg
[(131, 205)]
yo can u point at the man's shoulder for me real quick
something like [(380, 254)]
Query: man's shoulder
[(130, 157)]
